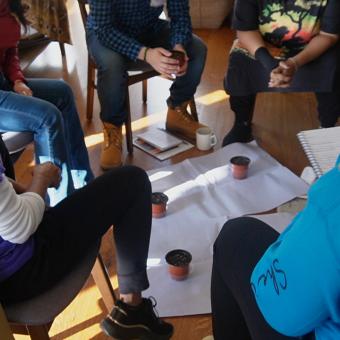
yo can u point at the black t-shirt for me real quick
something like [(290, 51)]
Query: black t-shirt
[(289, 24)]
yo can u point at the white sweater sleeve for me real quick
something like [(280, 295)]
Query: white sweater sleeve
[(20, 215)]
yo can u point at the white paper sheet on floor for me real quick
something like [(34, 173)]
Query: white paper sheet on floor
[(202, 196)]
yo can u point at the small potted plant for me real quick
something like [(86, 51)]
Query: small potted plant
[(239, 166), (159, 201), (179, 263)]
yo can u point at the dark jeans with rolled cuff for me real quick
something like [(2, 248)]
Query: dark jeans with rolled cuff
[(235, 314), (121, 197), (113, 76)]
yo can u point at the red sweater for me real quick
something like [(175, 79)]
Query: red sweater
[(9, 37)]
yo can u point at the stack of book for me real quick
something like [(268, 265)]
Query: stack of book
[(160, 144)]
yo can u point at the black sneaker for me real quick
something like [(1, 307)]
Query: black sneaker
[(239, 133), (126, 322)]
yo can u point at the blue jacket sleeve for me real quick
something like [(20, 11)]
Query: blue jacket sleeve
[(180, 22), (296, 282)]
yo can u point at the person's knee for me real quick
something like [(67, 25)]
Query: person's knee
[(105, 58), (135, 176), (142, 179), (198, 51), (64, 88), (138, 174), (232, 233), (201, 49), (110, 62), (63, 92), (52, 119)]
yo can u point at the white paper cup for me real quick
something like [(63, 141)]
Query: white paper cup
[(205, 139)]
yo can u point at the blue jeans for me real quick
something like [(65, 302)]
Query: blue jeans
[(112, 73), (52, 116)]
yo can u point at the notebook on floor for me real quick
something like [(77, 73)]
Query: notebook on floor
[(160, 144), (159, 139), (322, 147)]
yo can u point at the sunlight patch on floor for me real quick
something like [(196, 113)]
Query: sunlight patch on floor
[(139, 124), (212, 97)]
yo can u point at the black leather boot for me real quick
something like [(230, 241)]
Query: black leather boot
[(243, 106), (239, 133)]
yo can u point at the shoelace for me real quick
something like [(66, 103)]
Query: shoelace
[(113, 137), (155, 311), (186, 116)]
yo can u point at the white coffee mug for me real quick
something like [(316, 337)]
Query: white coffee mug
[(205, 139)]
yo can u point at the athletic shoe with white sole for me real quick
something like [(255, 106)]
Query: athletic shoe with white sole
[(126, 322)]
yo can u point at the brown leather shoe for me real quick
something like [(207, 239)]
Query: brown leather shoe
[(181, 122), (111, 156)]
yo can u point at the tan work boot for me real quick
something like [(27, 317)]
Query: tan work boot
[(181, 122), (111, 155)]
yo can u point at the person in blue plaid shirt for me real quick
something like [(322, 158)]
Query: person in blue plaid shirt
[(123, 33)]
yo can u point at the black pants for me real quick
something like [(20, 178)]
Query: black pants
[(122, 198), (239, 246), (328, 107), (246, 77)]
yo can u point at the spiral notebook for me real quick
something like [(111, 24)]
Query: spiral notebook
[(322, 147)]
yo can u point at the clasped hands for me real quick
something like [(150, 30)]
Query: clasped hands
[(160, 59), (282, 75)]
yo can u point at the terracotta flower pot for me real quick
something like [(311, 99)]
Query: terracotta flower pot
[(178, 55), (179, 263), (239, 166), (159, 201)]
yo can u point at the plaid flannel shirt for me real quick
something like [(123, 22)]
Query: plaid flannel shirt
[(119, 23)]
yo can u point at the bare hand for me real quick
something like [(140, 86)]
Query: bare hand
[(289, 67), (159, 59), (49, 173), (21, 88), (183, 69), (282, 76)]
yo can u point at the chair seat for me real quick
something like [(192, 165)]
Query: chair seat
[(45, 307), (139, 65), (17, 141)]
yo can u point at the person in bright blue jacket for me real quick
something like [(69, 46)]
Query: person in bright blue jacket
[(269, 287)]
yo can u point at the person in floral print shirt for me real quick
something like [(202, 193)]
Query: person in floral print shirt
[(283, 46)]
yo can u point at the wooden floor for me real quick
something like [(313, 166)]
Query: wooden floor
[(278, 117)]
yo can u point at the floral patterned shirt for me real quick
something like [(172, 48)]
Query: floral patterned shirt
[(288, 24)]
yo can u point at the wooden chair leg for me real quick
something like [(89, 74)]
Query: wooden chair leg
[(128, 128), (90, 88), (102, 280), (38, 332), (193, 109), (62, 49), (145, 90), (5, 328)]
